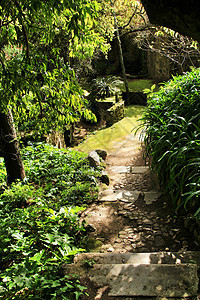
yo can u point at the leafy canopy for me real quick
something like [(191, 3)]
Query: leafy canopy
[(130, 17), (38, 38)]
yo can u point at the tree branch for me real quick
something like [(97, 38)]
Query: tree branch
[(3, 66), (23, 28), (135, 30), (127, 24)]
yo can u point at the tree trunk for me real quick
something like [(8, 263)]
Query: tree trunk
[(121, 58), (9, 148)]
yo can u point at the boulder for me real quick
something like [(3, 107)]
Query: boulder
[(104, 178), (102, 153), (94, 159), (173, 14), (114, 114)]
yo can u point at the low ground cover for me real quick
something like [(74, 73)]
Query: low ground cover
[(40, 227), (172, 140)]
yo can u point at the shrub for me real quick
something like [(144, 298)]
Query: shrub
[(59, 172), (40, 227), (105, 87), (172, 138)]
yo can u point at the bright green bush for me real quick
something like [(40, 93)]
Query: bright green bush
[(172, 139), (59, 172), (39, 224)]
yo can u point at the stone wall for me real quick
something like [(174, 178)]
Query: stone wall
[(159, 68), (109, 111), (135, 59), (114, 114)]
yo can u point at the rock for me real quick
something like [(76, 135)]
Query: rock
[(114, 114), (111, 249), (109, 196), (140, 258), (123, 232), (128, 248), (90, 228), (94, 159), (175, 15), (104, 178), (102, 153), (151, 196), (147, 222), (159, 242), (147, 280)]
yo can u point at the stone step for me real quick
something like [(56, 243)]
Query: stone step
[(128, 169), (146, 279), (140, 258), (120, 169), (156, 275), (123, 195), (110, 195)]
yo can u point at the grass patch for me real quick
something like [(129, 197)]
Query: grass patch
[(138, 85)]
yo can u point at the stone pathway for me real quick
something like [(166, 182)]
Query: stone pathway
[(132, 217), (136, 220)]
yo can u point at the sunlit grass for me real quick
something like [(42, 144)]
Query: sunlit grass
[(107, 137), (139, 85)]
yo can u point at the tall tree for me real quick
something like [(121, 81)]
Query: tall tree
[(121, 58), (119, 18), (9, 148)]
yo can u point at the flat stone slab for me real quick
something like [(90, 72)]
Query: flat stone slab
[(107, 194), (127, 169), (140, 258), (147, 280), (151, 196), (139, 170), (120, 169), (123, 195)]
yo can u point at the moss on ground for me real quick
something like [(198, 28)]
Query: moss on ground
[(139, 85), (106, 138)]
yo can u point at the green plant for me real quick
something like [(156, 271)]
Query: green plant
[(40, 225), (36, 241), (172, 139), (150, 91), (2, 175), (106, 87), (63, 175)]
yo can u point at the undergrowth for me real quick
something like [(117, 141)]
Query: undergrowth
[(172, 139), (40, 227)]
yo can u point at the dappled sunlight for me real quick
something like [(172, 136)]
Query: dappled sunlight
[(146, 279)]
